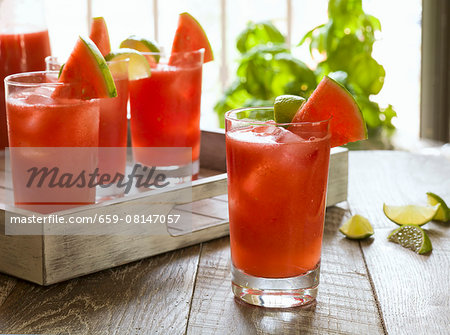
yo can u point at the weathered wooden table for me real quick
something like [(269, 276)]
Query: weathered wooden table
[(367, 287)]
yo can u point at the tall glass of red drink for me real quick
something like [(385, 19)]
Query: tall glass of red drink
[(47, 132), (277, 182), (112, 155), (24, 44), (165, 111)]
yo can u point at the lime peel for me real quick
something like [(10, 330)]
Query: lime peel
[(443, 212), (286, 106), (357, 228), (412, 237), (410, 214), (138, 66), (141, 44)]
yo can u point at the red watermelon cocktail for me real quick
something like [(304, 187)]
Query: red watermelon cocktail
[(112, 142), (165, 110), (277, 164), (165, 107), (19, 52), (38, 126), (53, 127)]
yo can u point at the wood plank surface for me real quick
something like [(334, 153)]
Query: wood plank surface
[(6, 286), (368, 287), (345, 304), (413, 290), (146, 297)]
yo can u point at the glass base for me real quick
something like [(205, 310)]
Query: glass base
[(276, 292), (176, 174), (144, 179)]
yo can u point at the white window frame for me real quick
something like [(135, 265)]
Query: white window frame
[(223, 66)]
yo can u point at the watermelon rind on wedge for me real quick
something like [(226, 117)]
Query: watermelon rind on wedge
[(100, 36), (332, 101), (86, 73), (190, 36)]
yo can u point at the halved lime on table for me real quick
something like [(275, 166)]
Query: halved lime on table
[(357, 228), (412, 237), (443, 213), (141, 44), (410, 214), (138, 66)]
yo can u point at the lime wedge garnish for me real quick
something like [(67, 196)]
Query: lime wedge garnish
[(410, 214), (141, 44), (138, 66), (443, 212), (411, 237), (285, 107), (357, 228)]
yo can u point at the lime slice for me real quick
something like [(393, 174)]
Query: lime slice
[(443, 213), (138, 66), (141, 44), (286, 106), (410, 214), (411, 237), (357, 228)]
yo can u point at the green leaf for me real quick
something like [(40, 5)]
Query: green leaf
[(370, 111), (256, 70), (340, 76), (387, 114), (234, 97), (367, 74), (267, 68), (373, 22), (309, 34), (345, 14), (344, 8), (258, 33), (292, 76), (344, 56)]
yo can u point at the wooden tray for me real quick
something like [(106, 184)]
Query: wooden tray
[(48, 259)]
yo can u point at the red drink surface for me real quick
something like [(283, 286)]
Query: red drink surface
[(36, 120), (19, 53), (113, 130), (277, 191), (165, 112)]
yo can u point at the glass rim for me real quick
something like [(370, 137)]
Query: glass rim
[(164, 53), (12, 79), (55, 60), (272, 122)]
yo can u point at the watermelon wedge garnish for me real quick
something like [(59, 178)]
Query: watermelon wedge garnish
[(332, 101), (190, 36), (99, 35), (87, 74)]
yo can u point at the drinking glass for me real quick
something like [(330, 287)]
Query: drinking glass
[(56, 134), (113, 122), (165, 112), (24, 44), (277, 182)]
